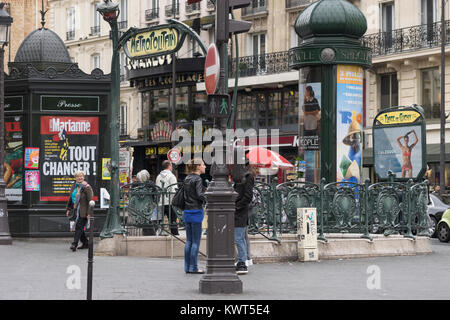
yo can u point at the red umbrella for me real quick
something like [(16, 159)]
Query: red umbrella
[(265, 158)]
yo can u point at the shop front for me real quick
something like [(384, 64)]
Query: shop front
[(154, 82)]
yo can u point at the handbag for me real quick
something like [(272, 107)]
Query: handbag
[(178, 198)]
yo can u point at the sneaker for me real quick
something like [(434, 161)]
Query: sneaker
[(249, 262), (241, 268)]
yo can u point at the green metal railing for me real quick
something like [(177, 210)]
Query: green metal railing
[(342, 207)]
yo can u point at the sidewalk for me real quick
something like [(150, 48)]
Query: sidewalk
[(40, 268)]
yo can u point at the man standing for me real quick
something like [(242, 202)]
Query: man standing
[(169, 180)]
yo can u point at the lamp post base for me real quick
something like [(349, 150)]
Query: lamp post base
[(5, 239), (218, 283)]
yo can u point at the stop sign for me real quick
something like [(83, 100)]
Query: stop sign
[(212, 69)]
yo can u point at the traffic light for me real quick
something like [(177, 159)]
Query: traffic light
[(224, 26)]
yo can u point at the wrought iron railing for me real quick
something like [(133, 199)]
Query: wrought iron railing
[(169, 10), (210, 5), (342, 207), (406, 39), (70, 35), (192, 8), (297, 3), (256, 6), (95, 30), (123, 24), (263, 64), (151, 14)]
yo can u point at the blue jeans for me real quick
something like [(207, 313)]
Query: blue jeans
[(193, 237), (239, 240)]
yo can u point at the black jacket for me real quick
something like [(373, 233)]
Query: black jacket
[(194, 195), (244, 189)]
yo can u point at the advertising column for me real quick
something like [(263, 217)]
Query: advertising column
[(349, 101)]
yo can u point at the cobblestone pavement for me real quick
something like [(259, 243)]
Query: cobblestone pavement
[(46, 269)]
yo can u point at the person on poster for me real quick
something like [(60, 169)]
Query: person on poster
[(406, 153), (78, 207), (311, 113)]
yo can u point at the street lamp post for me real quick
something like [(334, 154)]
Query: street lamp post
[(110, 12), (442, 115), (5, 23)]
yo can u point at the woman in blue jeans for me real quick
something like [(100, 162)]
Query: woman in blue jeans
[(194, 197)]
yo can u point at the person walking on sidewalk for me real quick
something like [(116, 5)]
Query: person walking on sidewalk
[(244, 188), (194, 197), (78, 205), (169, 180)]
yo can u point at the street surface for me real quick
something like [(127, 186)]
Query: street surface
[(47, 269)]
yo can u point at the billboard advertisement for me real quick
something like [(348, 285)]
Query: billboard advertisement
[(349, 103), (309, 120), (68, 144), (399, 143)]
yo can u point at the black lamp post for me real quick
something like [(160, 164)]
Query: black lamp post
[(110, 12), (5, 23)]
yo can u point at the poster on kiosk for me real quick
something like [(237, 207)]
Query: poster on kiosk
[(399, 143)]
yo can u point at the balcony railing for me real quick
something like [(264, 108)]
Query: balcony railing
[(123, 24), (257, 6), (192, 8), (169, 10), (297, 3), (210, 5), (151, 14), (406, 39), (70, 35), (263, 64), (95, 30)]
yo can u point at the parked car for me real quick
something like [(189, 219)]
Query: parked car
[(435, 210), (443, 227)]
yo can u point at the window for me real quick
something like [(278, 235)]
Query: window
[(428, 16), (193, 46), (71, 23), (123, 23), (123, 119), (389, 90), (274, 113), (259, 51), (295, 38), (123, 67), (431, 87), (96, 61), (96, 25), (387, 23), (428, 11), (247, 113)]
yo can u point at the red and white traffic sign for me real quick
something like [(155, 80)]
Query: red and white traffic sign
[(174, 155), (212, 69)]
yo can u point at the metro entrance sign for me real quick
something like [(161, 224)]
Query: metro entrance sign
[(212, 69)]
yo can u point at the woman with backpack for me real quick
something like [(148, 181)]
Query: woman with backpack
[(194, 198)]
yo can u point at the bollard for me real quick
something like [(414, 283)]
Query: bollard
[(90, 251)]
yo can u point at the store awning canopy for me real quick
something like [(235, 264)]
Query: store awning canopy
[(433, 154)]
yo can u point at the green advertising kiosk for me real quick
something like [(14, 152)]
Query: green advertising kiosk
[(331, 62)]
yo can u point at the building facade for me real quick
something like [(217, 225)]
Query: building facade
[(87, 37), (405, 38)]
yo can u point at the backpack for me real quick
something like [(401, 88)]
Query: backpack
[(178, 198)]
